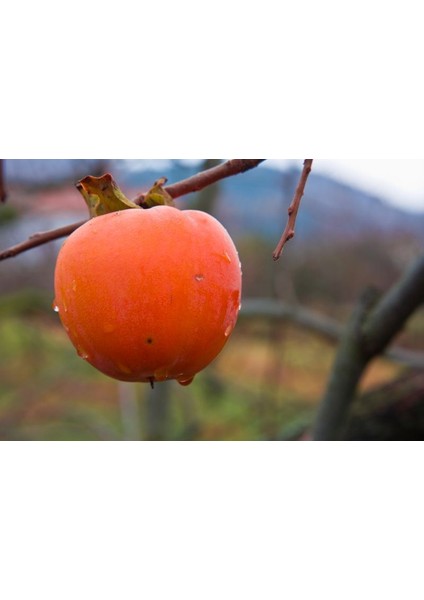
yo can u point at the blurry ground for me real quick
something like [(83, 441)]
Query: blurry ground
[(263, 384)]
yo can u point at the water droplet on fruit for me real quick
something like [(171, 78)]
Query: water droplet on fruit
[(185, 381), (124, 369), (228, 330), (74, 286), (55, 307), (199, 277), (227, 257), (239, 306), (82, 352)]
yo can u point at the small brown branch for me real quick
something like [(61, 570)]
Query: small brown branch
[(288, 232), (186, 186), (37, 239), (204, 178), (3, 194)]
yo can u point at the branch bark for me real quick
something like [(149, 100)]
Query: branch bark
[(204, 178), (37, 239), (3, 194), (370, 329), (186, 186), (289, 231)]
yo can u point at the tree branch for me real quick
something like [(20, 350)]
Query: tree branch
[(322, 325), (3, 194), (204, 178), (391, 313), (280, 311), (288, 232), (186, 186), (37, 239), (369, 331), (349, 364)]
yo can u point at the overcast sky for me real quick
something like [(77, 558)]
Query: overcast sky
[(399, 181)]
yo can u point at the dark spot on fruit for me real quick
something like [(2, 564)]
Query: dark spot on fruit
[(149, 340)]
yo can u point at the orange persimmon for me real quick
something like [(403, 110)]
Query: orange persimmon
[(149, 295)]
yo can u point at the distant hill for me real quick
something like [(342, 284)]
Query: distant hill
[(255, 201)]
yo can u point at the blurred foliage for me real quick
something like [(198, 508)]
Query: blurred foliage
[(8, 214), (266, 381), (24, 303)]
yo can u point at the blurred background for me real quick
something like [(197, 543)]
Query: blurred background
[(353, 231)]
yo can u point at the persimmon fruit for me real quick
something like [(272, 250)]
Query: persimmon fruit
[(149, 295)]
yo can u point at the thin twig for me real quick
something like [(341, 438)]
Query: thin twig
[(3, 194), (288, 232), (37, 239), (186, 186)]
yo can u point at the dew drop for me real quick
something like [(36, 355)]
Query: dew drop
[(228, 330), (227, 257), (55, 307), (239, 306), (199, 277), (185, 381), (82, 353)]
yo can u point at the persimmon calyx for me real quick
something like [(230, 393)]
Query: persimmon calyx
[(157, 195), (102, 195)]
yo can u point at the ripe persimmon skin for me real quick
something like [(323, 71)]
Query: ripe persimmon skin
[(149, 295)]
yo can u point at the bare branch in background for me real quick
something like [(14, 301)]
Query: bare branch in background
[(288, 232), (186, 186), (3, 194), (322, 325), (370, 329)]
